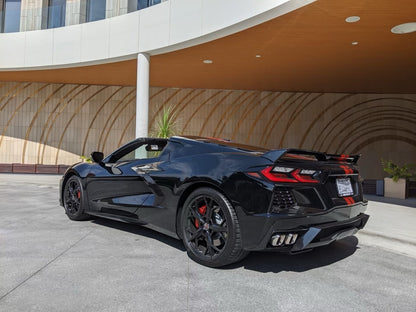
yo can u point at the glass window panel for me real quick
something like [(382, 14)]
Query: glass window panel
[(56, 15), (11, 15), (95, 10), (141, 4)]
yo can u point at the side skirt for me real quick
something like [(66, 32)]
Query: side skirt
[(133, 221)]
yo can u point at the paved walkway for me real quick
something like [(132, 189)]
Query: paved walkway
[(391, 225), (49, 263)]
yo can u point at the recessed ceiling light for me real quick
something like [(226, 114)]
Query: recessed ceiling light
[(208, 61), (258, 55), (352, 19), (354, 43), (404, 28)]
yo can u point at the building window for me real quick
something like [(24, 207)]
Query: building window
[(95, 10), (134, 5), (141, 4), (56, 13), (11, 15)]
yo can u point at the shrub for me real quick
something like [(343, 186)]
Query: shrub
[(396, 172)]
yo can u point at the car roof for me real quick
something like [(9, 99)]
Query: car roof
[(220, 143)]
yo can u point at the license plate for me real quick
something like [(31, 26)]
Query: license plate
[(344, 187)]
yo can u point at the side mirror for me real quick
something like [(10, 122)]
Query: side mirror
[(97, 157)]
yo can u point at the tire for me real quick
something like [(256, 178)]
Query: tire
[(210, 230), (73, 199)]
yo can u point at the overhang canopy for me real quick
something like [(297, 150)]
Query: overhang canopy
[(310, 49)]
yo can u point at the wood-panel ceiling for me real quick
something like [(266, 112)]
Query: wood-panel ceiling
[(309, 49)]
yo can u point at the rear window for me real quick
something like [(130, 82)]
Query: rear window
[(242, 147), (290, 156)]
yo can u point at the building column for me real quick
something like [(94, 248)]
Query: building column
[(142, 95), (116, 8), (75, 12), (34, 14)]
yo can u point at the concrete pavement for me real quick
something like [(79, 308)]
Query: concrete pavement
[(391, 224), (49, 263)]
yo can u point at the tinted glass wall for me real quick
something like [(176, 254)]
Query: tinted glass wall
[(56, 13), (141, 4), (11, 15), (95, 10)]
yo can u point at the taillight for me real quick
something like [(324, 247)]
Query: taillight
[(287, 174), (273, 174), (304, 176)]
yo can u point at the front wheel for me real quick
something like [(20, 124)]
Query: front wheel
[(210, 229), (73, 199)]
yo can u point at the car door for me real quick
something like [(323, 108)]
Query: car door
[(124, 185)]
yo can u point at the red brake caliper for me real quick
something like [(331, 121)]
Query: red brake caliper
[(79, 194), (202, 211)]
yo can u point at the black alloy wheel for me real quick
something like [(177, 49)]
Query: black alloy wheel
[(210, 229), (73, 196)]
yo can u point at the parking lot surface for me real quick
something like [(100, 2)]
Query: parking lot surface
[(49, 263)]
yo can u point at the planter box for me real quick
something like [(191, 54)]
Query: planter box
[(369, 186), (62, 168), (6, 168), (51, 169), (33, 168), (395, 189), (411, 189), (24, 168)]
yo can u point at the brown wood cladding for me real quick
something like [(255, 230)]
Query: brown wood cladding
[(50, 124), (309, 49)]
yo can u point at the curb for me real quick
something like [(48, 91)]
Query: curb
[(390, 238), (395, 245)]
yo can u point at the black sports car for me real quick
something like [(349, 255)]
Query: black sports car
[(222, 199)]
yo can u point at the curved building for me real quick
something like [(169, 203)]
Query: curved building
[(84, 75)]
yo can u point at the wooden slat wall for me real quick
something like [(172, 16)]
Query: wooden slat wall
[(43, 123)]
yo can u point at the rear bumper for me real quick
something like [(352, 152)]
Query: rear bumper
[(311, 230), (327, 233)]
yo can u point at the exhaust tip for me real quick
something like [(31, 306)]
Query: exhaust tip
[(278, 240)]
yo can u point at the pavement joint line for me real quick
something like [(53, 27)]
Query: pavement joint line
[(46, 265), (189, 278), (371, 233)]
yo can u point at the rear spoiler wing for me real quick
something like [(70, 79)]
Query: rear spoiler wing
[(275, 155)]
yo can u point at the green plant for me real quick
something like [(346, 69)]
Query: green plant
[(396, 172), (86, 159), (165, 123)]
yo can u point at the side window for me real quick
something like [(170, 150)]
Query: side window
[(11, 15), (96, 10), (145, 150), (56, 14)]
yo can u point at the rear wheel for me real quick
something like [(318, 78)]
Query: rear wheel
[(73, 199), (210, 229)]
